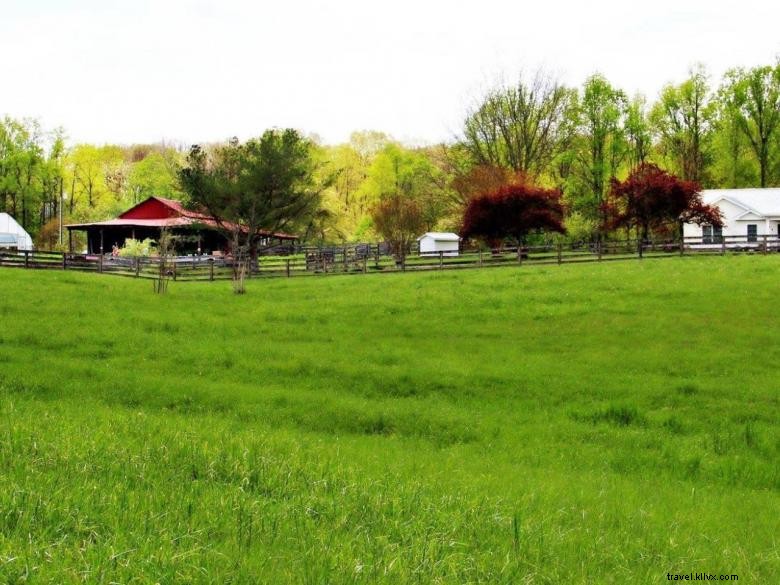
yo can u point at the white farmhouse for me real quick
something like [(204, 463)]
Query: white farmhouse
[(12, 235), (748, 215), (431, 243)]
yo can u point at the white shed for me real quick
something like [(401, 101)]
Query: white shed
[(431, 243), (12, 235)]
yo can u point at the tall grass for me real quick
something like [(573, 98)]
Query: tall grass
[(604, 423)]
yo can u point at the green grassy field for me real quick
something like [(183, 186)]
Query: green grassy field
[(577, 424)]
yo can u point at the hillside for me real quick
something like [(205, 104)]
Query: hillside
[(575, 424)]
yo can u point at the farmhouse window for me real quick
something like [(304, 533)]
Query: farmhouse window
[(717, 234), (752, 232), (706, 232)]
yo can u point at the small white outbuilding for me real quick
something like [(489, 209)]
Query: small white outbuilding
[(431, 243), (12, 235)]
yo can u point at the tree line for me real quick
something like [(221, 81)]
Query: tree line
[(534, 131)]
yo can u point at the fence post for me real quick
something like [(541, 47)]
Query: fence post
[(682, 245), (288, 268), (722, 245), (137, 266), (26, 259), (598, 250), (560, 253), (365, 263), (519, 254), (480, 256), (640, 248), (441, 259), (765, 243), (64, 261), (174, 268), (211, 269), (100, 264)]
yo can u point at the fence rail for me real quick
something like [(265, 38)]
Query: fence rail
[(368, 258)]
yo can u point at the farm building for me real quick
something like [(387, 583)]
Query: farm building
[(150, 217), (748, 214), (431, 243), (12, 235)]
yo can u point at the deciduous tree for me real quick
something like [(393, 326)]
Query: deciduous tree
[(399, 220), (650, 198), (683, 119), (266, 184), (521, 126), (600, 144), (755, 95), (513, 211)]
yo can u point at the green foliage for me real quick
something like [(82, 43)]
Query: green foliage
[(535, 129), (136, 248), (683, 118), (580, 228), (752, 106), (521, 126), (265, 184), (357, 441), (398, 220), (154, 175), (599, 147), (408, 174), (22, 163)]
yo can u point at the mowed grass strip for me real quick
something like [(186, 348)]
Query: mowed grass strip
[(600, 423)]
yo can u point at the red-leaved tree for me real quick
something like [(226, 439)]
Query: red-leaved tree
[(652, 199), (513, 211)]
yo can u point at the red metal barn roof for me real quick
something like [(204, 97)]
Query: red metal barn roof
[(160, 212)]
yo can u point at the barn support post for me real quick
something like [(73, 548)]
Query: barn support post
[(70, 241), (101, 242)]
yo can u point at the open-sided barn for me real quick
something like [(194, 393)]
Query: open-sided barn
[(150, 217)]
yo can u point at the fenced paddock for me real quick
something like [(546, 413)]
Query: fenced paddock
[(372, 258)]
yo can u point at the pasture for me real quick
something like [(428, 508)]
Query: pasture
[(600, 423)]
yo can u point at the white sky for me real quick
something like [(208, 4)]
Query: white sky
[(202, 70)]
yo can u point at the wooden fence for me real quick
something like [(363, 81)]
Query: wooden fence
[(365, 258)]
